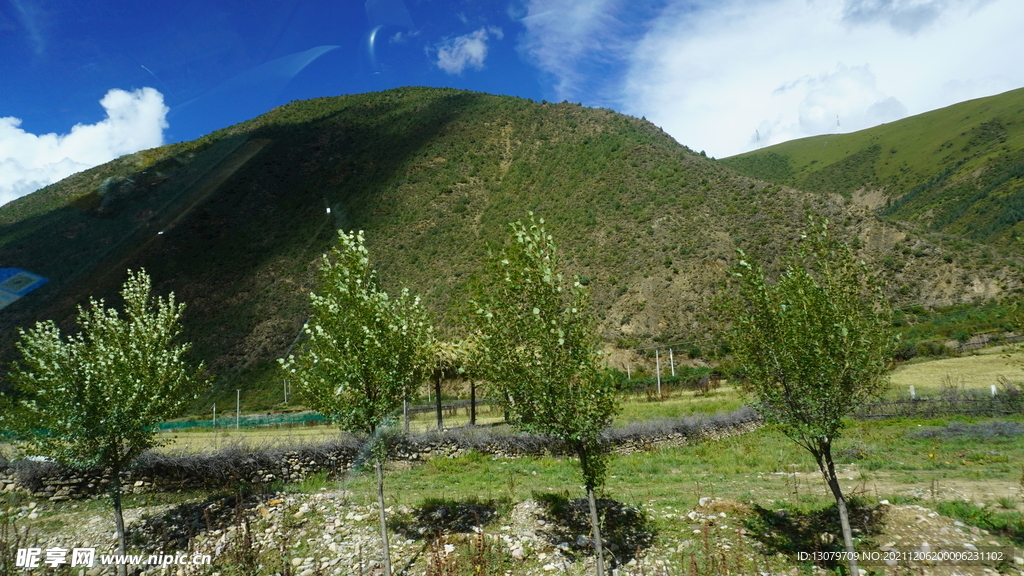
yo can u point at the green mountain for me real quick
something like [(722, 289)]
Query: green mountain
[(235, 222), (958, 170)]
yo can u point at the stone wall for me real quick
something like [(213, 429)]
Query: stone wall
[(237, 465)]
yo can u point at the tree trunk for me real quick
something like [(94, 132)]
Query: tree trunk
[(595, 526), (828, 469), (437, 393), (472, 403), (115, 493), (584, 452), (383, 516)]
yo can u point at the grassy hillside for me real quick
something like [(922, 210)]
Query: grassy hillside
[(234, 222), (958, 170)]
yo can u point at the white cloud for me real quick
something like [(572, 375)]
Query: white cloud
[(845, 100), (468, 51), (908, 16), (135, 121), (564, 36), (718, 77)]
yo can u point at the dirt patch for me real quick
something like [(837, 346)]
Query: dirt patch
[(870, 199)]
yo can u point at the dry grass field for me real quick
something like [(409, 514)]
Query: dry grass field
[(979, 370)]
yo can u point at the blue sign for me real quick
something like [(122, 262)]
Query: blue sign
[(15, 283)]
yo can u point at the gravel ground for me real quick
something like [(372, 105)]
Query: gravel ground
[(327, 534)]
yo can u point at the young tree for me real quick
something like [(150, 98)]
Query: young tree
[(813, 345), (445, 360), (540, 353), (95, 399), (364, 354)]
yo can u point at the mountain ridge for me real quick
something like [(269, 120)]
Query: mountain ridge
[(434, 176), (956, 170)]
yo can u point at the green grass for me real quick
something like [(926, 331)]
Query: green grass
[(753, 465), (1008, 524), (954, 170), (637, 408), (762, 468), (976, 371)]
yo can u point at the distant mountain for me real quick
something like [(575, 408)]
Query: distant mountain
[(958, 170), (235, 222)]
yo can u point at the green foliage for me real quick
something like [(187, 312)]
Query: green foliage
[(687, 377), (433, 176), (1008, 524), (853, 172), (919, 327), (95, 398), (955, 170), (814, 344), (365, 350), (540, 350)]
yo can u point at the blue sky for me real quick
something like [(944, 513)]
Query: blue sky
[(84, 82)]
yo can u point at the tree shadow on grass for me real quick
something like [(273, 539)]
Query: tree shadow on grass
[(785, 531), (625, 530), (438, 516), (174, 529)]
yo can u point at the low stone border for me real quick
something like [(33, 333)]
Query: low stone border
[(231, 466)]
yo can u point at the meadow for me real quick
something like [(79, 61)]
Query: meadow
[(967, 467)]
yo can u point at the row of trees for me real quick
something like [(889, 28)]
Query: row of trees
[(535, 345), (813, 344)]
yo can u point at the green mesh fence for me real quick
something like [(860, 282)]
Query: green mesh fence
[(249, 421)]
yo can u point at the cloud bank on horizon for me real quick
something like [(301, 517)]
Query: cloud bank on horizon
[(134, 121), (734, 75)]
